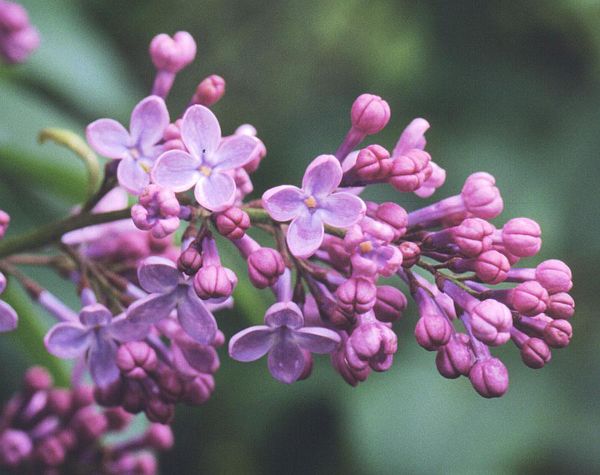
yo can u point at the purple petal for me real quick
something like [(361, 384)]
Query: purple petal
[(342, 210), (8, 317), (152, 309), (149, 120), (251, 343), (235, 152), (176, 170), (67, 340), (215, 192), (202, 358), (322, 176), (102, 360), (305, 235), (413, 136), (200, 131), (108, 138), (286, 314), (317, 339), (284, 202), (195, 319), (94, 315), (123, 329), (132, 176), (286, 361), (158, 275)]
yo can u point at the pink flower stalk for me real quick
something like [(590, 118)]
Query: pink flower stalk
[(209, 159)]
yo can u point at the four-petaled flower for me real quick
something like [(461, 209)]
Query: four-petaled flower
[(137, 148), (171, 290), (94, 336), (284, 339), (313, 206), (209, 162)]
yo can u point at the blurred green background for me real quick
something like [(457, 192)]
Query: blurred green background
[(510, 87)]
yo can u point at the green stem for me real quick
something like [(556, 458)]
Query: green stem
[(52, 232)]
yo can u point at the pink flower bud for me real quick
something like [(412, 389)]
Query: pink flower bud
[(265, 265), (411, 252), (558, 333), (356, 295), (15, 447), (37, 379), (190, 260), (59, 401), (209, 91), (554, 275), (171, 385), (455, 358), (89, 424), (521, 237), (492, 267), (393, 215), (535, 353), (136, 359), (529, 298), (410, 171), (489, 378), (373, 163), (4, 222), (491, 322), (214, 281), (172, 54), (232, 223), (50, 452), (374, 343), (159, 411), (481, 197), (561, 305), (13, 16), (159, 437), (473, 236), (117, 418), (199, 390), (390, 303), (433, 331), (370, 114)]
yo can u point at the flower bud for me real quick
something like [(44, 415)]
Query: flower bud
[(410, 171), (89, 424), (535, 353), (411, 252), (50, 452), (481, 197), (172, 54), (374, 343), (159, 411), (117, 418), (214, 281), (492, 267), (373, 163), (393, 215), (308, 365), (356, 295), (521, 237), (136, 359), (370, 114), (159, 437), (59, 401), (561, 305), (390, 303), (199, 390), (473, 236), (232, 223), (491, 322), (455, 358), (170, 384), (15, 447), (4, 222), (265, 265), (37, 379), (489, 378), (13, 16), (529, 298), (209, 91), (432, 331), (554, 275), (190, 260), (558, 333)]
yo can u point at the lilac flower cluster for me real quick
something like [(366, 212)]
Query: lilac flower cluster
[(18, 38), (51, 430), (146, 331)]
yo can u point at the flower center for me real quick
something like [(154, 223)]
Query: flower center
[(134, 152), (365, 246), (145, 166), (310, 202), (206, 171)]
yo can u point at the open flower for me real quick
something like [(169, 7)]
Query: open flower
[(208, 161), (137, 148), (95, 335), (284, 339), (313, 206), (170, 290)]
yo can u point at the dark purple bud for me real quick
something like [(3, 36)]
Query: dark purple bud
[(558, 333), (455, 358), (36, 379), (561, 305), (190, 260), (199, 390), (308, 365), (411, 252), (171, 386), (529, 298), (89, 424), (265, 265), (489, 377), (214, 281), (159, 437), (356, 295), (232, 223), (15, 448), (50, 452), (535, 353), (111, 395), (433, 331), (393, 215), (370, 114), (158, 410), (136, 359), (134, 398), (117, 418), (390, 303)]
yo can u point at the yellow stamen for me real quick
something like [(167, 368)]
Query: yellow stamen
[(310, 202), (365, 246), (145, 166), (206, 171)]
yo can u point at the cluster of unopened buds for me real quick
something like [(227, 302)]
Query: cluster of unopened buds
[(146, 331), (18, 38)]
